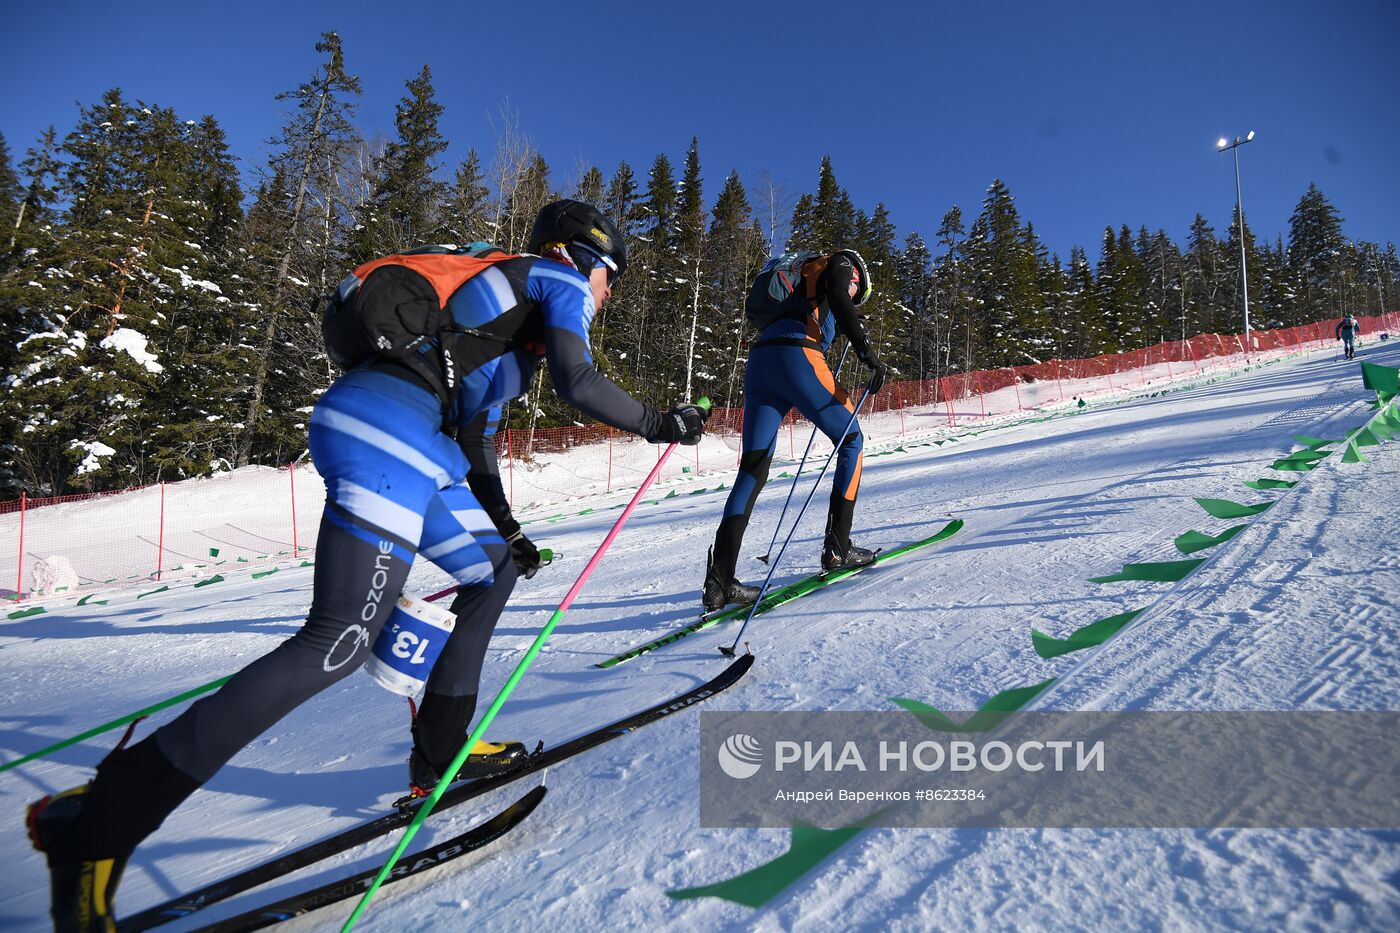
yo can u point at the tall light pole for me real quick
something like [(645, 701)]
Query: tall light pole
[(1225, 145)]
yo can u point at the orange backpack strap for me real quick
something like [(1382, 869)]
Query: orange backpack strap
[(811, 273), (446, 272)]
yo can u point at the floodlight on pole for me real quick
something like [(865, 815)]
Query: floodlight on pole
[(1225, 145)]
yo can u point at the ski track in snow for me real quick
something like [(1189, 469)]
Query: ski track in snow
[(1296, 612)]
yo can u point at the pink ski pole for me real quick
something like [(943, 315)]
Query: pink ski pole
[(506, 690)]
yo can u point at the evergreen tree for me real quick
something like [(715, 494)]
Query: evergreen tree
[(95, 392), (206, 349), (887, 320), (1315, 254), (619, 203), (10, 193), (41, 167), (591, 188), (917, 301), (802, 229), (24, 263), (615, 328), (655, 295), (1277, 305), (690, 254), (1122, 301), (833, 216), (312, 150), (1205, 274), (951, 279), (1003, 266), (622, 198), (1233, 309), (1035, 340), (1379, 273), (1161, 287), (1086, 336), (467, 218), (409, 205), (736, 249), (524, 202)]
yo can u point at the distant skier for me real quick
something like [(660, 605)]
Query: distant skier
[(394, 488), (1348, 329), (787, 368)]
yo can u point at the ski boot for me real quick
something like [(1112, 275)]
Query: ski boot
[(717, 594), (81, 892), (835, 557), (486, 760)]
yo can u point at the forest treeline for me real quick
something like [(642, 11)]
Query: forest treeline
[(160, 309)]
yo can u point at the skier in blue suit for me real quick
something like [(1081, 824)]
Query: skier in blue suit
[(397, 485), (787, 369)]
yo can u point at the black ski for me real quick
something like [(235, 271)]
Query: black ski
[(297, 904), (249, 878)]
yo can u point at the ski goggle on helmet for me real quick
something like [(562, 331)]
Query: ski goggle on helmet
[(860, 277), (586, 235)]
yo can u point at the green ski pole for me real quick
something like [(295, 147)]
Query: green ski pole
[(129, 717)]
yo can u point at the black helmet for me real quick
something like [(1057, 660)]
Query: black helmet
[(863, 292), (580, 226)]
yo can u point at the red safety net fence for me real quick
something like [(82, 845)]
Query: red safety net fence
[(259, 515)]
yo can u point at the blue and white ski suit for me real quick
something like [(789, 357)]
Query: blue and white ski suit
[(396, 488)]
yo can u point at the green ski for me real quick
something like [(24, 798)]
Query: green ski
[(779, 596)]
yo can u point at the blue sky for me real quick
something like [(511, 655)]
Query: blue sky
[(1093, 113)]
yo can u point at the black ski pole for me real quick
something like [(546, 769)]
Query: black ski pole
[(803, 462), (732, 650)]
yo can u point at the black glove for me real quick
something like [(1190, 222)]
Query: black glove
[(681, 425), (522, 549), (878, 372)]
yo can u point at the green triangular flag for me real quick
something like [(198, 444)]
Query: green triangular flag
[(1353, 455), (1362, 437), (1307, 454), (808, 848), (1271, 483), (1383, 379), (989, 716), (1095, 633), (1291, 466), (1166, 571), (1193, 541), (1224, 508)]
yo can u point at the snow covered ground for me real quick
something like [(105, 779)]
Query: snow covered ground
[(1296, 612), (225, 523)]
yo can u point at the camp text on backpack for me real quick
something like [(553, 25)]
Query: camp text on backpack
[(777, 291)]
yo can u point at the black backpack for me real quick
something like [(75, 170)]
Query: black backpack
[(778, 292), (396, 308)]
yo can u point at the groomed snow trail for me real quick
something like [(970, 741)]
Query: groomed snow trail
[(1297, 612)]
